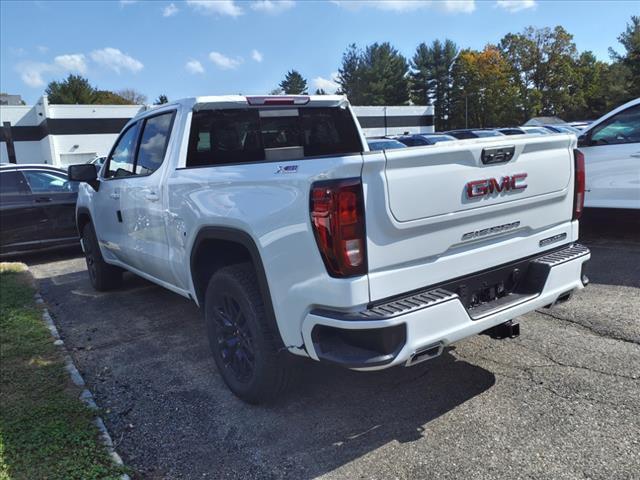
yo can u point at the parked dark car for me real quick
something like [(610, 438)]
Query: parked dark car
[(465, 133), (384, 144), (37, 208), (424, 139)]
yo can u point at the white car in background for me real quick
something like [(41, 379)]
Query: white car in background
[(611, 149)]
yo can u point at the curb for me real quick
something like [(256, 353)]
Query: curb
[(86, 396)]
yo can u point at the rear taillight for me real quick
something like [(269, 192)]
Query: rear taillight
[(580, 185), (337, 217)]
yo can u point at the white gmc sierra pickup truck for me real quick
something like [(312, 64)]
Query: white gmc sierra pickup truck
[(273, 216)]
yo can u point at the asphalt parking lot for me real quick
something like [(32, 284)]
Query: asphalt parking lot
[(560, 401)]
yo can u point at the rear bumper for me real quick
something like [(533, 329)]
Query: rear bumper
[(393, 332)]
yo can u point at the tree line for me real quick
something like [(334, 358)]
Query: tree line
[(76, 89), (538, 71)]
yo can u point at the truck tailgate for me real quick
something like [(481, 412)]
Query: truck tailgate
[(438, 212)]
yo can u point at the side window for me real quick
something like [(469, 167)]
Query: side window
[(42, 181), (153, 143), (12, 183), (224, 136), (623, 127), (120, 162)]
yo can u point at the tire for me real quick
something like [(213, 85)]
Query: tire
[(242, 342), (102, 275)]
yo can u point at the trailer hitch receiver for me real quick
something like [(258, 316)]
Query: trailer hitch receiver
[(508, 329)]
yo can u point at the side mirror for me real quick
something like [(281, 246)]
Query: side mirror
[(84, 172)]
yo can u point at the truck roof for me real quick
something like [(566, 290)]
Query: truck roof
[(231, 101)]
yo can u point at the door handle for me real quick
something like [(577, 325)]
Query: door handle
[(152, 196), (43, 199), (114, 195), (636, 155)]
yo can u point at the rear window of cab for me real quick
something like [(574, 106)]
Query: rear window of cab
[(246, 135)]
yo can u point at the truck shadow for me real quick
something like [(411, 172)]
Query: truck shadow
[(46, 256), (144, 353)]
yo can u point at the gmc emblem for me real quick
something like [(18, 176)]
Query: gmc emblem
[(480, 188)]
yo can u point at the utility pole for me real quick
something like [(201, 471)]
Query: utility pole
[(466, 111)]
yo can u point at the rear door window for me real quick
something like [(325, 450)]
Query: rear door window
[(253, 135)]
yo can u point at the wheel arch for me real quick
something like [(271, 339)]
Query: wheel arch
[(237, 246)]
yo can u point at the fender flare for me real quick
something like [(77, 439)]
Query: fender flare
[(242, 238)]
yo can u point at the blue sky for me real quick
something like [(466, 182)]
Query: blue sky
[(223, 47)]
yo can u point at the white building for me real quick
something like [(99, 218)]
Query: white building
[(63, 135)]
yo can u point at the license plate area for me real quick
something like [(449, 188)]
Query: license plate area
[(486, 292)]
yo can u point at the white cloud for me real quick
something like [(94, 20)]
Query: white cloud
[(329, 85), (127, 2), (71, 62), (194, 66), (115, 60), (516, 5), (402, 6), (457, 6), (170, 10), (219, 7), (272, 6), (224, 62), (256, 55), (17, 51), (34, 73), (42, 48), (31, 73)]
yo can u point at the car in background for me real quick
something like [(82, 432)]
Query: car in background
[(384, 144), (535, 130), (512, 131), (581, 125), (465, 133), (611, 150), (562, 129), (436, 137), (37, 208), (98, 162), (418, 139)]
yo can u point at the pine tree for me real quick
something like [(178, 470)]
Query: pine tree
[(430, 78), (293, 83)]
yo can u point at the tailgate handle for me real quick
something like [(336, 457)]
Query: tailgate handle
[(497, 154)]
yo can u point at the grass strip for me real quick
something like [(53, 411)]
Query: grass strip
[(46, 432)]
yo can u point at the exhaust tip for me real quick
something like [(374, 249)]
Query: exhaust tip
[(426, 353)]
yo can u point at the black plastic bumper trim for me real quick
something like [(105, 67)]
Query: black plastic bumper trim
[(433, 295)]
